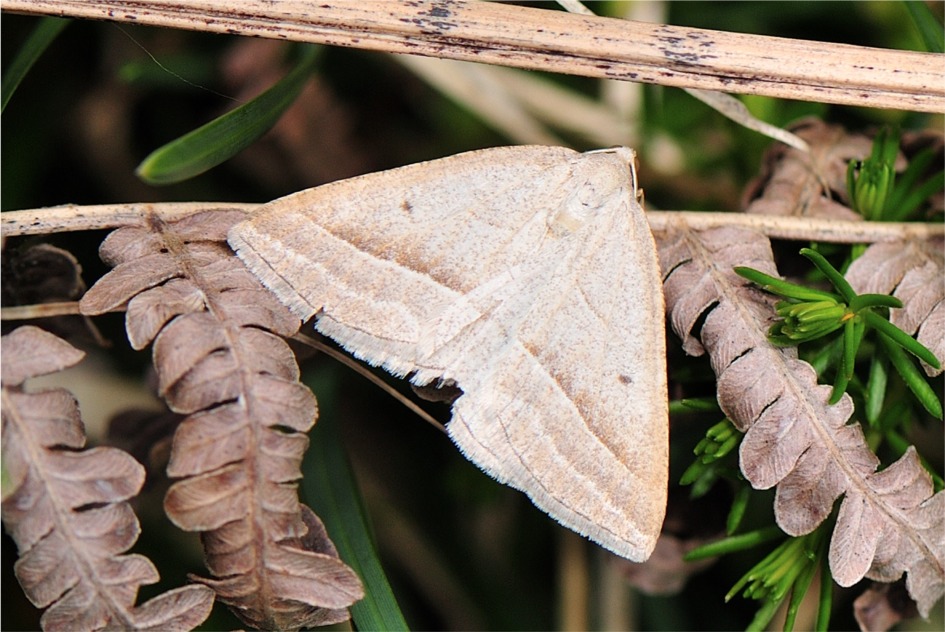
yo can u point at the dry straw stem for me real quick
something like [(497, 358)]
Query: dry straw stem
[(72, 217), (556, 41)]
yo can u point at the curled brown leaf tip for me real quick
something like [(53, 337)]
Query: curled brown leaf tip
[(808, 184)]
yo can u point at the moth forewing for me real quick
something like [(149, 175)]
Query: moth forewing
[(527, 276)]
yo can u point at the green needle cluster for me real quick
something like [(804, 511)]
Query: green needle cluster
[(870, 182), (879, 194), (773, 577), (788, 569), (809, 314), (719, 441), (808, 320)]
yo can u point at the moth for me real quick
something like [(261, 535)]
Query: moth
[(529, 278)]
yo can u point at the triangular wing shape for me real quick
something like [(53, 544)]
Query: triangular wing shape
[(529, 277)]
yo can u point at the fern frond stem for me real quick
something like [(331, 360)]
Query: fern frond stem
[(42, 310), (364, 372)]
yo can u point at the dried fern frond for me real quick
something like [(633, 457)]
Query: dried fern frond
[(808, 184), (221, 359), (66, 507), (889, 521), (912, 272)]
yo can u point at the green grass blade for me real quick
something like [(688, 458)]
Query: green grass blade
[(825, 603), (38, 41), (782, 287), (901, 338), (222, 138), (929, 28), (876, 389), (863, 301), (764, 615), (735, 515), (328, 486), (912, 376), (916, 197), (906, 181), (832, 274), (797, 595), (853, 331), (694, 405), (734, 543)]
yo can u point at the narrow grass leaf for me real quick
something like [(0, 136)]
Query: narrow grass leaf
[(328, 486), (928, 26), (876, 389), (901, 338), (39, 40), (916, 197), (912, 376), (222, 138), (802, 584), (825, 603), (734, 543), (737, 512), (782, 287), (835, 278)]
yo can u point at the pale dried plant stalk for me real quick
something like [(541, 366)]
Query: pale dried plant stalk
[(74, 217), (555, 41), (496, 96)]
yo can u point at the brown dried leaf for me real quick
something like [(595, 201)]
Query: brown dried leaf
[(178, 609), (881, 606), (31, 352), (697, 275), (793, 182), (887, 523), (269, 604), (66, 508), (912, 272), (220, 358), (40, 273)]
